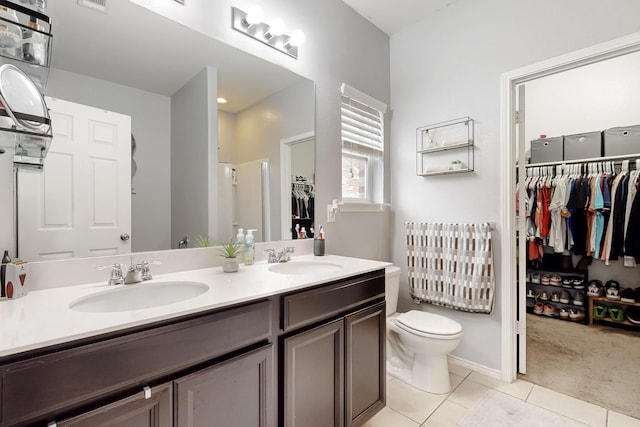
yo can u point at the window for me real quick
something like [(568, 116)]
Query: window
[(362, 146)]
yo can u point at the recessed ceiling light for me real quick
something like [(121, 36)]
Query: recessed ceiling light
[(222, 101)]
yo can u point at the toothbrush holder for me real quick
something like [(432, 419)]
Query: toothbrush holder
[(318, 247)]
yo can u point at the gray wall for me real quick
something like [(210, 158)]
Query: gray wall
[(150, 123), (448, 66), (194, 136)]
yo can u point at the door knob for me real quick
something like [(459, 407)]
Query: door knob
[(124, 237)]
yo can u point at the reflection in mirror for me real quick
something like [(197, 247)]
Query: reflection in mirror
[(202, 169)]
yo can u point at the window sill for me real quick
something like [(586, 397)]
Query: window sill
[(347, 206)]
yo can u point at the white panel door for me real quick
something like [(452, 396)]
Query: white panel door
[(79, 205)]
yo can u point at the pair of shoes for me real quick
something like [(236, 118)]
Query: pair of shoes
[(633, 314), (538, 308), (628, 295), (578, 299), (531, 293), (555, 297), (565, 297), (550, 310), (599, 311), (555, 280), (545, 279), (535, 278), (576, 315), (564, 313), (595, 289), (578, 283), (544, 296), (612, 290), (616, 314)]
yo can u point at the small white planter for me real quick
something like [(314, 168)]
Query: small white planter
[(456, 166), (230, 265)]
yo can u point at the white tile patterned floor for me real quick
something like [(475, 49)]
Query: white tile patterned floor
[(410, 407)]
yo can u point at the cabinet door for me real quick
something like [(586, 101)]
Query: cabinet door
[(237, 392), (365, 336), (133, 411), (313, 377)]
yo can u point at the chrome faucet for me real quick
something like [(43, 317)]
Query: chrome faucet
[(282, 256), (116, 274), (139, 272)]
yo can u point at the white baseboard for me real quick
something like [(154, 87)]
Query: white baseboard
[(481, 369)]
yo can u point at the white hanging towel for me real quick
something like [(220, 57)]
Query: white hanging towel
[(451, 265)]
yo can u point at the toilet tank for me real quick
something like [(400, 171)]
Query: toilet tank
[(391, 288)]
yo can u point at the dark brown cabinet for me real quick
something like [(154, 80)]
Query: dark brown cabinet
[(312, 357), (134, 411), (365, 379), (334, 373), (237, 392), (314, 377)]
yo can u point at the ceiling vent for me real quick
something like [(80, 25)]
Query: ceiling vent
[(100, 5)]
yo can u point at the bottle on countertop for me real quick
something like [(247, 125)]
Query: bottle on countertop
[(240, 236), (303, 233), (6, 259), (249, 249)]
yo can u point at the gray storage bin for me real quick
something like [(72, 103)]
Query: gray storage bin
[(621, 141), (546, 150), (583, 146)]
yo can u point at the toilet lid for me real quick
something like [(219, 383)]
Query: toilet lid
[(429, 323)]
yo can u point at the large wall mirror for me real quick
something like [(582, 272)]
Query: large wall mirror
[(196, 169)]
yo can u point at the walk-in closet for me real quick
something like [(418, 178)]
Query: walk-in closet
[(578, 211)]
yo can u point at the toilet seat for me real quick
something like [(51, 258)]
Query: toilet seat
[(429, 325)]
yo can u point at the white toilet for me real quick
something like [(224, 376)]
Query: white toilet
[(418, 342)]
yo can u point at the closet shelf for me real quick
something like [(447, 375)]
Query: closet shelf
[(590, 160)]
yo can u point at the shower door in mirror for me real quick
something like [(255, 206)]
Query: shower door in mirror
[(79, 205)]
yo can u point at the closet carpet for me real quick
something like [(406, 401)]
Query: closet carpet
[(597, 364)]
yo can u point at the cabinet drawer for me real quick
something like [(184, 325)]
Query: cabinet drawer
[(44, 385), (307, 307)]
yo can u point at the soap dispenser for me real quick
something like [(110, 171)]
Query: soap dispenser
[(240, 237), (249, 250)]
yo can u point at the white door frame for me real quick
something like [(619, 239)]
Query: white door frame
[(508, 82), (285, 180)]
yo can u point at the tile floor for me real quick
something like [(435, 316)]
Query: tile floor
[(410, 407)]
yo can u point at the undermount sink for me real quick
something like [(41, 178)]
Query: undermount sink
[(304, 267), (138, 297)]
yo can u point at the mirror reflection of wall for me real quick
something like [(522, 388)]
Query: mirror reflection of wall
[(251, 137), (93, 66)]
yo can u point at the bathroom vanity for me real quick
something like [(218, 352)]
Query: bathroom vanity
[(259, 348)]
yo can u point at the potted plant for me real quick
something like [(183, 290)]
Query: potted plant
[(203, 242), (230, 251), (456, 164)]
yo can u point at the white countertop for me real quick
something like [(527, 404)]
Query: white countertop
[(43, 318)]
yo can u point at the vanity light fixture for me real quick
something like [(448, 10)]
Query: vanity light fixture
[(251, 24)]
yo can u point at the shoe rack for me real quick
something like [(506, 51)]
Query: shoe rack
[(547, 292), (608, 317)]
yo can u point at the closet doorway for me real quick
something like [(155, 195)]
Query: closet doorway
[(587, 91)]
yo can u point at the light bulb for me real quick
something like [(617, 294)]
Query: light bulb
[(254, 15), (277, 27), (297, 38)]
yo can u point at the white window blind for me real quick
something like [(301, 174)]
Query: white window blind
[(362, 120), (362, 125)]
